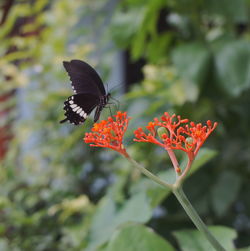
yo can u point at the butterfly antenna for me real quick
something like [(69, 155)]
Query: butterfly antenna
[(107, 87), (117, 104), (116, 86)]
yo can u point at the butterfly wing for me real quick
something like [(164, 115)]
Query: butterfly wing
[(78, 107), (84, 78)]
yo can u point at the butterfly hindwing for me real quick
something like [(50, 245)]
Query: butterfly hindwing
[(84, 78), (78, 107)]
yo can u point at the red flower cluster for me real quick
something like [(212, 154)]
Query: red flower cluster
[(171, 133), (176, 133), (109, 133)]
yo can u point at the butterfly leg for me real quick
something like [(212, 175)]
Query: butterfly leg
[(64, 120), (97, 112), (110, 111), (116, 103)]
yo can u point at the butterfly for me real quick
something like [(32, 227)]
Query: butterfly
[(89, 93)]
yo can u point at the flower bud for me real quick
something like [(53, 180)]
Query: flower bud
[(113, 133), (178, 170), (189, 140), (162, 132)]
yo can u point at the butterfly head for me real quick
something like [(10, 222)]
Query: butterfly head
[(108, 97)]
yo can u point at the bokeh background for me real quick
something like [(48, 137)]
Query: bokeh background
[(189, 57)]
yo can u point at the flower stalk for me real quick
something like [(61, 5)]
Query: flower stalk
[(187, 206), (148, 173)]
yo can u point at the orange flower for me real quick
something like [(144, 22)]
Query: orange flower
[(180, 134), (109, 133)]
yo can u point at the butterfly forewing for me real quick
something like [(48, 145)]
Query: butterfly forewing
[(84, 78)]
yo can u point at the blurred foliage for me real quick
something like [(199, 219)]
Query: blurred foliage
[(57, 193)]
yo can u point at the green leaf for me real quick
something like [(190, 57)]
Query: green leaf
[(232, 63), (192, 60), (108, 217), (204, 155), (154, 192), (125, 25), (134, 237), (243, 249), (158, 46), (136, 209), (196, 241), (221, 197), (233, 10), (104, 213), (103, 217)]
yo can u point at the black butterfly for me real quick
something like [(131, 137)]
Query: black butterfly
[(89, 92)]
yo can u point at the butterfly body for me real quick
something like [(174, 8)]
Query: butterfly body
[(89, 93)]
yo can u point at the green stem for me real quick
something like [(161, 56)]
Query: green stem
[(148, 173), (182, 198)]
